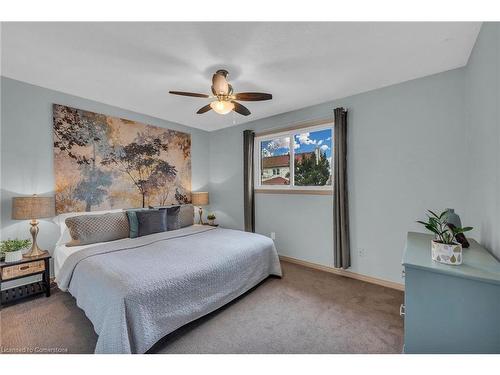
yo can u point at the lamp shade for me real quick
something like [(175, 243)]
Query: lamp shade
[(34, 207), (200, 198)]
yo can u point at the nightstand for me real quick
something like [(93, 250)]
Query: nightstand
[(39, 265)]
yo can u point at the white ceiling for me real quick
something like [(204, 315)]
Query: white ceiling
[(134, 65)]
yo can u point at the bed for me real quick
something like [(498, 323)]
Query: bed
[(137, 290)]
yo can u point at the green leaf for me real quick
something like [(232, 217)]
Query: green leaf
[(434, 214), (14, 245), (432, 229), (461, 230)]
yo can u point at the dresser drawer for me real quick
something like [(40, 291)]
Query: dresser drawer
[(18, 270)]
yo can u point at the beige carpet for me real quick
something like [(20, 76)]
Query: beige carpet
[(307, 311)]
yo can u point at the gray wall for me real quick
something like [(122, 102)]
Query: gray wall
[(27, 154), (406, 154), (482, 77)]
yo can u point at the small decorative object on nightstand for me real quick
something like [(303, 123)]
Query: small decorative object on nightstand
[(211, 219), (39, 265), (33, 208), (200, 198), (12, 249)]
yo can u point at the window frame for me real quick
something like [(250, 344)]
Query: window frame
[(290, 188)]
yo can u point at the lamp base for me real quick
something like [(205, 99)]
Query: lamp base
[(200, 212), (35, 250)]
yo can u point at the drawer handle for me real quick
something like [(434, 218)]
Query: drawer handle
[(402, 311), (23, 268)]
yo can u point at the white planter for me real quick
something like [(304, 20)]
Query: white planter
[(448, 254), (13, 256)]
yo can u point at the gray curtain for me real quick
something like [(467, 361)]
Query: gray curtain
[(342, 256), (248, 193)]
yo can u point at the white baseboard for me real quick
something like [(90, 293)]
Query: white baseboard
[(342, 272)]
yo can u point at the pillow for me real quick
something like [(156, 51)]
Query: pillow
[(151, 221), (61, 218), (89, 229), (133, 222), (186, 214), (173, 217)]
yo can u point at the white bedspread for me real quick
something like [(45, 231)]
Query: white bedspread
[(136, 291)]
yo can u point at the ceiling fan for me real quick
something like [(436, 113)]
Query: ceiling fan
[(225, 99)]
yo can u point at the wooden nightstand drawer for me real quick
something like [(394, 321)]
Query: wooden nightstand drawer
[(11, 272)]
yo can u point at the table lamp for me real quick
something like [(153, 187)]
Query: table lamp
[(33, 208), (200, 198)]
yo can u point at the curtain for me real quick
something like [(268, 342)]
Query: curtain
[(248, 193), (342, 254)]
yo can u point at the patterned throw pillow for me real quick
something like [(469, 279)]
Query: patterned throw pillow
[(151, 221), (89, 229)]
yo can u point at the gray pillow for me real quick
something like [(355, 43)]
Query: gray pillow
[(173, 217), (133, 222), (89, 229), (186, 215), (151, 221)]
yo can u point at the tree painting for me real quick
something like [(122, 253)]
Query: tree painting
[(104, 162), (73, 130), (141, 162)]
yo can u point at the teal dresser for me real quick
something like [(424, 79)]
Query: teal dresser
[(450, 309)]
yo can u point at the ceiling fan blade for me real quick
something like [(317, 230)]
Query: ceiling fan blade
[(252, 96), (189, 94), (241, 109), (204, 109)]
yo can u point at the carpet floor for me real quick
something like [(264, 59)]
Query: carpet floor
[(306, 311)]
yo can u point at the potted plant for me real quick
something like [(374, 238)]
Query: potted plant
[(445, 247), (211, 219), (12, 249)]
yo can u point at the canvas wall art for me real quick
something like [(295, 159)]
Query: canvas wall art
[(103, 162)]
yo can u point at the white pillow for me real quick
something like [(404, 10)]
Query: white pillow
[(61, 221)]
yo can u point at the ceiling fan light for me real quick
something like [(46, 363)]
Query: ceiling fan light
[(222, 107)]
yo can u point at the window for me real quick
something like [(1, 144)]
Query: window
[(275, 158), (298, 159)]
